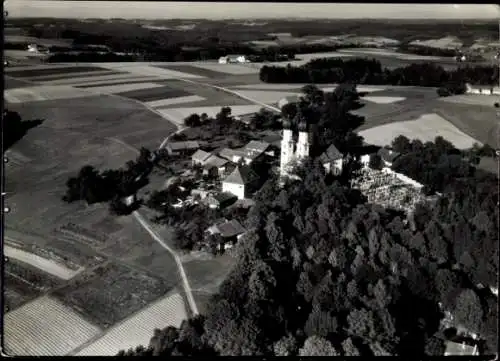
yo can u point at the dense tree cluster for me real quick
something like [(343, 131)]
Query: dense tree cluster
[(370, 71), (322, 272), (14, 128), (111, 185)]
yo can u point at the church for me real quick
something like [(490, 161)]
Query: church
[(294, 152)]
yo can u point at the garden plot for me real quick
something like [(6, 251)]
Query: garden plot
[(231, 69), (154, 94), (179, 114), (139, 328), (383, 100), (44, 264), (43, 92), (28, 73), (45, 327), (426, 128), (110, 89), (111, 292)]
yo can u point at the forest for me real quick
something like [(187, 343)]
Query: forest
[(323, 272), (370, 71)]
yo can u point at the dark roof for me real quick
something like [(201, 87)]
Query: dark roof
[(387, 154), (230, 229), (224, 197), (241, 175), (229, 153), (331, 154), (190, 144)]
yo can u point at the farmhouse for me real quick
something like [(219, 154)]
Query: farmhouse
[(241, 182), (215, 163), (177, 148), (228, 230), (332, 160), (233, 59)]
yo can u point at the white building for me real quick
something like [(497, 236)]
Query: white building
[(292, 152), (332, 160), (241, 182), (233, 59)]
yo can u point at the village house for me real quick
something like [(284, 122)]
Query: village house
[(332, 160), (388, 156), (216, 164), (179, 148), (229, 231), (242, 182), (199, 157)]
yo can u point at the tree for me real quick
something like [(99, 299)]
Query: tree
[(320, 323), (375, 162), (349, 348), (468, 311), (401, 144), (286, 346), (317, 346)]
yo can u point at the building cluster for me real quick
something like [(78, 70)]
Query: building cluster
[(234, 59), (482, 89)]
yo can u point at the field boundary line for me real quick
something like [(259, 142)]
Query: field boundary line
[(185, 281)]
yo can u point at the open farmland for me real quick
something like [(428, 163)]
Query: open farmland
[(425, 128), (51, 71), (111, 292), (45, 327), (139, 328)]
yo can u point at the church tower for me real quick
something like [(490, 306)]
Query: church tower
[(287, 147), (304, 141)]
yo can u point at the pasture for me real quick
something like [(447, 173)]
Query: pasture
[(45, 327), (139, 328)]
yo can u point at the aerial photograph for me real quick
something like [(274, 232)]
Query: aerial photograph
[(250, 179)]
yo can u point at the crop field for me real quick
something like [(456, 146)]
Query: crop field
[(122, 88), (44, 264), (27, 73), (83, 74), (43, 92), (196, 70), (178, 114), (91, 81), (154, 93), (425, 128), (139, 328), (163, 103), (111, 292), (11, 83), (24, 283), (147, 69), (45, 327), (230, 69)]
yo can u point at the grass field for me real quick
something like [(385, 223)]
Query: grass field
[(154, 93), (83, 74), (43, 92), (425, 128), (190, 69), (45, 327), (52, 71), (139, 328)]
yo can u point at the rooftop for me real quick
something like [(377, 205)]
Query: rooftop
[(331, 154), (242, 175), (201, 155), (214, 161), (230, 153), (230, 229), (257, 146)]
